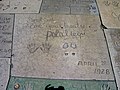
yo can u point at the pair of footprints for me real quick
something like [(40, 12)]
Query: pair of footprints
[(5, 7), (71, 45), (67, 45)]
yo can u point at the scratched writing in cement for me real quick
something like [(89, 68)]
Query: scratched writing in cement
[(6, 28), (113, 37), (46, 45), (110, 13)]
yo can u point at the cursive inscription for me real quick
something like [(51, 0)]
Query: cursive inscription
[(54, 34), (5, 20), (6, 26), (111, 3)]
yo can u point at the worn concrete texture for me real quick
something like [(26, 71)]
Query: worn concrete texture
[(113, 38), (20, 6), (69, 7), (6, 31), (110, 13), (4, 72), (59, 42), (60, 47)]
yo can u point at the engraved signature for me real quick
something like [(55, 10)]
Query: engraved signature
[(73, 34)]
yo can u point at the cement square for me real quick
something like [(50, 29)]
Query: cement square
[(55, 9), (20, 6), (84, 7), (57, 2), (56, 6), (113, 38), (6, 31), (60, 47), (4, 72), (69, 7), (110, 13), (81, 2)]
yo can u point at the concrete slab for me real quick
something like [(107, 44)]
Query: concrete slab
[(113, 37), (69, 7), (4, 73), (84, 7), (110, 13), (20, 6), (55, 9), (60, 47), (40, 84), (56, 6), (6, 30)]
